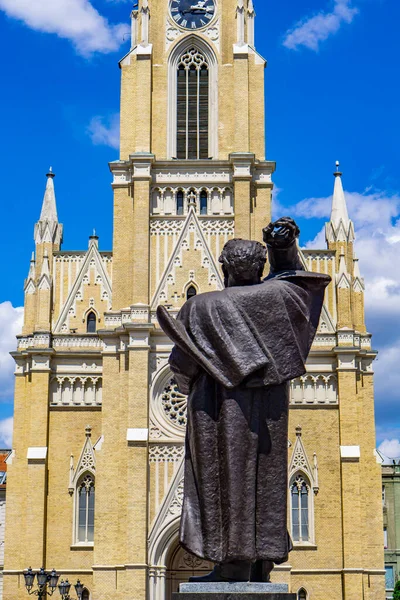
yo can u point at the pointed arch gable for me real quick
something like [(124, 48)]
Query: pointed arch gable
[(85, 464), (191, 219), (179, 48), (166, 525), (92, 254)]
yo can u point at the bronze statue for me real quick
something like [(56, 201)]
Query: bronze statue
[(235, 352)]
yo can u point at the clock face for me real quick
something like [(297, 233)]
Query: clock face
[(192, 14)]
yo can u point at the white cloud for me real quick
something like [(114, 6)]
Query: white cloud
[(311, 31), (6, 432), (104, 131), (390, 448), (75, 20), (10, 325)]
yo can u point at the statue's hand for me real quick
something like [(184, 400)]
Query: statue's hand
[(282, 233)]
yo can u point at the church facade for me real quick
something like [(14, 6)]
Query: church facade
[(95, 475)]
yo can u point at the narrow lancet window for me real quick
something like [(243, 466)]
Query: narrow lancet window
[(203, 203), (192, 106), (300, 510), (86, 509), (302, 594), (179, 203), (91, 323), (191, 293)]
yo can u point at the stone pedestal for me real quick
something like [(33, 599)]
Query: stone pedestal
[(233, 591)]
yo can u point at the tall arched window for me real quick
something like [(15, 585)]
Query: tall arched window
[(203, 203), (300, 510), (302, 594), (85, 507), (191, 293), (192, 106), (179, 203), (91, 323), (85, 594)]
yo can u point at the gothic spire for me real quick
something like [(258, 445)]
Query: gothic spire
[(340, 227), (339, 206), (48, 229), (49, 209)]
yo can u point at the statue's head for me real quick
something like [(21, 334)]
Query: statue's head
[(243, 262)]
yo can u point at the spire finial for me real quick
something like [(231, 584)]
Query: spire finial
[(93, 239), (337, 173), (50, 173), (298, 431), (88, 431)]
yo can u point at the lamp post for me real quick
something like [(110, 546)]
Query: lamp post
[(47, 584)]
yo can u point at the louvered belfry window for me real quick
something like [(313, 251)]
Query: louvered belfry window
[(192, 106)]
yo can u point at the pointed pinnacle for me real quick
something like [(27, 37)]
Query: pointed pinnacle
[(49, 209), (339, 205)]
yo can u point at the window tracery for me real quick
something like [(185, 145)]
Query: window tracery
[(192, 100), (174, 403), (303, 486), (85, 508), (300, 491), (82, 489), (192, 106)]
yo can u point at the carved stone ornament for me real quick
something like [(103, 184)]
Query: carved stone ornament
[(175, 508), (174, 404)]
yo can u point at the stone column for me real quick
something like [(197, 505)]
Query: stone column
[(242, 163)]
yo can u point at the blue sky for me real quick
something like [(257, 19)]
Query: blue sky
[(332, 88)]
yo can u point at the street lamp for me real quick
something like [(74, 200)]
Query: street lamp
[(49, 580), (65, 586)]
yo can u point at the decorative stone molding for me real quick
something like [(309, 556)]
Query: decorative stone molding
[(78, 390), (192, 225), (168, 453), (193, 176), (314, 389), (71, 341), (219, 200), (40, 362), (86, 462), (92, 260), (325, 340)]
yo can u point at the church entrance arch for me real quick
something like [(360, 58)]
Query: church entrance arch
[(180, 566)]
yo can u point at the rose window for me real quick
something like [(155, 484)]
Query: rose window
[(174, 403)]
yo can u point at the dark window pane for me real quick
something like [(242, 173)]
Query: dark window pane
[(179, 203), (192, 107), (203, 203), (91, 323), (82, 514), (191, 292)]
